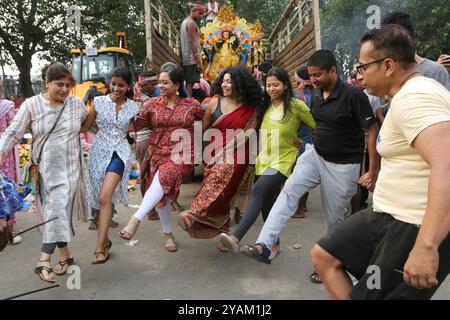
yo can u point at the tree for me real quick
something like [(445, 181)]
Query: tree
[(343, 22), (29, 26)]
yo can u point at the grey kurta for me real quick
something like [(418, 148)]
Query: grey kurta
[(60, 164)]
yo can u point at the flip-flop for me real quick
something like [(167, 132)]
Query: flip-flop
[(314, 276), (38, 271), (67, 262)]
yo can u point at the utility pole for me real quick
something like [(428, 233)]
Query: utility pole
[(148, 34)]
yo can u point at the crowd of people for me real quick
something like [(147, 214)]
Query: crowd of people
[(386, 130)]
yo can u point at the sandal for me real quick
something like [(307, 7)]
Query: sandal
[(171, 246), (39, 271), (130, 229), (262, 257), (247, 250), (106, 256), (229, 242), (63, 264), (184, 220), (315, 277), (93, 225), (153, 215), (222, 247)]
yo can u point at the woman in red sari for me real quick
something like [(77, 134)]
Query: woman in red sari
[(164, 174), (238, 108)]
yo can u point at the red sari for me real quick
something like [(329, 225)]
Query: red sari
[(209, 214), (163, 121)]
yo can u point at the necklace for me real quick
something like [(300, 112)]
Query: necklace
[(412, 75)]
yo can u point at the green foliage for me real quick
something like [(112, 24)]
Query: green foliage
[(29, 26), (343, 22)]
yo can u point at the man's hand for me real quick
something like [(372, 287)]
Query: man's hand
[(421, 268), (368, 180), (444, 59)]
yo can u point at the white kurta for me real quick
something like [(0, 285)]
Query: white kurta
[(60, 164), (110, 138)]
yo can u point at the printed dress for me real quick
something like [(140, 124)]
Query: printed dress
[(60, 165), (164, 122), (110, 138)]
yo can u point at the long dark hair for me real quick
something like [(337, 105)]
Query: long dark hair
[(288, 94), (176, 76), (245, 88), (125, 74)]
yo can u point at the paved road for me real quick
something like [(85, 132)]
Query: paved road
[(197, 271)]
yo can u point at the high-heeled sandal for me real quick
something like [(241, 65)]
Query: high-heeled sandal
[(130, 229)]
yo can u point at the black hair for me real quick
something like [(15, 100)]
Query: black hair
[(302, 72), (57, 71), (265, 66), (401, 18), (392, 41), (148, 74), (323, 59), (245, 88), (176, 76), (125, 74), (288, 94)]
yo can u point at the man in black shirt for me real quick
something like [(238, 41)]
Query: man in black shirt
[(342, 113)]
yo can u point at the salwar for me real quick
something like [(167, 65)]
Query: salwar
[(152, 196)]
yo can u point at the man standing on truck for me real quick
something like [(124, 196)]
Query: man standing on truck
[(190, 46)]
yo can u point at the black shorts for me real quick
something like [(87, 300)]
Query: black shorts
[(377, 240), (191, 73)]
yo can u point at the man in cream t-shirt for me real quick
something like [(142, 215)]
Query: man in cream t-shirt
[(400, 249)]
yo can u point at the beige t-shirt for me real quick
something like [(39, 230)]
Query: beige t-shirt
[(402, 185)]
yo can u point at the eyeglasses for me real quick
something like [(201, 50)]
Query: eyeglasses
[(363, 67)]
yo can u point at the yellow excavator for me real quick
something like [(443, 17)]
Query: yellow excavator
[(91, 68)]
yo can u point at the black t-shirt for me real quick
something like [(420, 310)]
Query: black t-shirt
[(340, 120)]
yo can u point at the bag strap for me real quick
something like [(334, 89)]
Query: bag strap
[(50, 132)]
